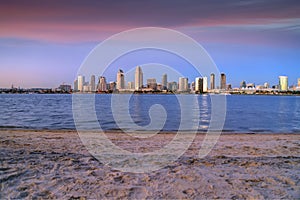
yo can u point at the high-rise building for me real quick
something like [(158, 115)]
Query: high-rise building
[(93, 83), (192, 86), (283, 83), (172, 86), (138, 78), (130, 85), (243, 84), (164, 81), (298, 82), (102, 87), (151, 83), (112, 86), (183, 85), (76, 85), (81, 82), (199, 85), (205, 84), (223, 81), (212, 81), (120, 80)]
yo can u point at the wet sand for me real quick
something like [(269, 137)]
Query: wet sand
[(55, 164)]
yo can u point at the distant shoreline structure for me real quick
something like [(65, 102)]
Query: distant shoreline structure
[(164, 92)]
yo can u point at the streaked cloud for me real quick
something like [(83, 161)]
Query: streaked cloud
[(72, 21)]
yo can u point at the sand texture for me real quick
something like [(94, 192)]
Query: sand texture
[(55, 164)]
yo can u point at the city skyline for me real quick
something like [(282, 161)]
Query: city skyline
[(200, 84), (42, 44)]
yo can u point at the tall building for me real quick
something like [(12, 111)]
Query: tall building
[(192, 86), (164, 81), (298, 82), (102, 87), (243, 84), (212, 81), (120, 80), (183, 85), (138, 78), (76, 85), (205, 84), (112, 86), (223, 81), (283, 83), (151, 83), (93, 83), (199, 85), (130, 85), (172, 86), (81, 83)]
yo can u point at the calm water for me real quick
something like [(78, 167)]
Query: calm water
[(244, 113)]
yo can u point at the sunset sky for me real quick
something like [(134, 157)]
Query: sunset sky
[(44, 42)]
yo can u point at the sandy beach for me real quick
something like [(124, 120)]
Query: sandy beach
[(55, 164)]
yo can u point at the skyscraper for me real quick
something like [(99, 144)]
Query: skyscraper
[(81, 82), (205, 84), (76, 85), (112, 86), (199, 85), (172, 86), (93, 83), (130, 85), (164, 81), (120, 80), (183, 84), (138, 78), (151, 83), (223, 81), (212, 81), (102, 87), (243, 84), (283, 83)]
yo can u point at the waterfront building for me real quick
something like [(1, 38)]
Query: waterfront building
[(298, 82), (112, 86), (183, 84), (93, 83), (164, 81), (199, 85), (86, 88), (205, 84), (223, 81), (266, 85), (81, 83), (159, 87), (138, 78), (65, 88), (212, 81), (243, 85), (151, 83), (283, 83), (172, 86), (102, 87), (228, 87), (192, 87), (120, 80), (250, 86), (76, 85), (130, 85)]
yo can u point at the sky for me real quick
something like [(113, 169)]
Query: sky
[(44, 42)]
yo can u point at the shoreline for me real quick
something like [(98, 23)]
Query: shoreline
[(251, 93), (117, 131), (55, 164)]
